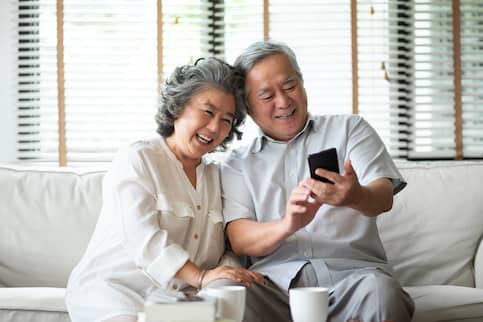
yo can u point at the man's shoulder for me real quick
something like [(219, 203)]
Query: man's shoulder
[(336, 122), (241, 152), (336, 118)]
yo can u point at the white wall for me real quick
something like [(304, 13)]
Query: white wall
[(7, 77)]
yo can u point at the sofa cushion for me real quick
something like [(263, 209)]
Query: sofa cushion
[(34, 316), (33, 298), (446, 303), (47, 219), (33, 304), (479, 266), (432, 232)]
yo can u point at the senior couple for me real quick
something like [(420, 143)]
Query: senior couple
[(161, 231)]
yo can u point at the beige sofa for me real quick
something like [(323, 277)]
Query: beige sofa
[(432, 237)]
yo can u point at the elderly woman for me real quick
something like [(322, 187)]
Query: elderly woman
[(160, 231)]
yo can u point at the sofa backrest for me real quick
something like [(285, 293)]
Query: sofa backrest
[(436, 224), (46, 220)]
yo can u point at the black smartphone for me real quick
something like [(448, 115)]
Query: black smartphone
[(326, 159)]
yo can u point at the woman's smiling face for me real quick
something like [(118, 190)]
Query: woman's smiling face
[(203, 125)]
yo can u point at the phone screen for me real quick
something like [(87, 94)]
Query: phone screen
[(326, 159)]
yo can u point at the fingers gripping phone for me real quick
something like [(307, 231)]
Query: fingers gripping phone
[(326, 159)]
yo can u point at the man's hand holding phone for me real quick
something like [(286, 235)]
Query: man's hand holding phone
[(327, 186), (326, 159)]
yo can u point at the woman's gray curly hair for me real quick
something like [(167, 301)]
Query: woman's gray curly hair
[(188, 80)]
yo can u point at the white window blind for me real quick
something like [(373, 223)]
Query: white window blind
[(472, 77), (405, 84), (433, 115), (320, 34), (434, 133), (110, 75), (243, 25), (186, 32), (110, 71), (382, 44), (399, 73), (37, 81)]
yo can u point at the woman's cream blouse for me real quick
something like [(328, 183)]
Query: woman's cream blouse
[(152, 221)]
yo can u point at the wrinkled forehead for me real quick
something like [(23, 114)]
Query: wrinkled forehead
[(273, 70), (215, 98)]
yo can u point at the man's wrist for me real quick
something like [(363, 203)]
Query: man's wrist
[(285, 229), (358, 198)]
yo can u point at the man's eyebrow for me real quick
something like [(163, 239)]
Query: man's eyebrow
[(290, 79), (230, 114), (263, 91)]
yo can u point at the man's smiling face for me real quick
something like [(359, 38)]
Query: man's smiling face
[(276, 97)]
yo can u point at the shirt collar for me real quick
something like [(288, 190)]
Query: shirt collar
[(173, 157), (262, 138)]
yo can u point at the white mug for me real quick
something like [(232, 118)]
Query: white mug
[(309, 304), (230, 301)]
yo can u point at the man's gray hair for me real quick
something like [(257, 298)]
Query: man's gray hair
[(261, 49), (188, 80)]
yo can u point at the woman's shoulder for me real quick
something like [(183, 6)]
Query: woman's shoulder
[(152, 143), (147, 147), (140, 151)]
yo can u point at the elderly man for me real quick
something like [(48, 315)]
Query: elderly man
[(303, 232)]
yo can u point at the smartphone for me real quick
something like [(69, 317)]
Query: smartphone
[(326, 159)]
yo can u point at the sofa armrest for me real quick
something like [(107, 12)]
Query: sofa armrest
[(479, 266)]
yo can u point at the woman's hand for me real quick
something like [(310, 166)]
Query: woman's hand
[(237, 274)]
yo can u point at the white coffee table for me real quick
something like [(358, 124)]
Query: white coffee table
[(141, 318)]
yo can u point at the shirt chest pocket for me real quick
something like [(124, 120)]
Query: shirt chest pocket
[(174, 216), (214, 228), (214, 234), (215, 217)]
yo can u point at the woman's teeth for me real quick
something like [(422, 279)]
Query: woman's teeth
[(204, 139)]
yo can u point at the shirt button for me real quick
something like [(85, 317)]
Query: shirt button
[(175, 286), (195, 236), (198, 207)]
